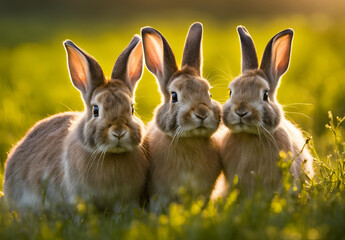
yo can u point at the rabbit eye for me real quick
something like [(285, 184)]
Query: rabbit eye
[(266, 95), (173, 97), (230, 93), (210, 94), (132, 107), (95, 111)]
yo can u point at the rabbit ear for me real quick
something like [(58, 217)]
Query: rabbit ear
[(159, 58), (129, 65), (192, 54), (276, 58), (249, 57), (85, 72)]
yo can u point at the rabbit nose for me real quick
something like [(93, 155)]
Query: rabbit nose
[(201, 111), (201, 116), (118, 133), (241, 113)]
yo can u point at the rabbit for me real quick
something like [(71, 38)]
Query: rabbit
[(256, 127), (182, 151), (96, 155)]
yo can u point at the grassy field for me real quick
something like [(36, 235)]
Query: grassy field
[(34, 84)]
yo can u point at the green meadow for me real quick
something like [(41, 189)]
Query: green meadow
[(34, 84)]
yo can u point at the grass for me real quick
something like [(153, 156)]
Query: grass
[(34, 83), (316, 212)]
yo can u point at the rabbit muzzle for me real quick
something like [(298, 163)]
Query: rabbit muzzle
[(242, 117), (118, 140), (201, 113), (200, 120)]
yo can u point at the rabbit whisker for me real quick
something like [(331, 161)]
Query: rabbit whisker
[(174, 141), (298, 113), (89, 163), (103, 160), (227, 66), (268, 135), (291, 104)]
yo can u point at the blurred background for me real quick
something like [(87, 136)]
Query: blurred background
[(34, 81)]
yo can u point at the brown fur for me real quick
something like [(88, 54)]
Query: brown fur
[(77, 155), (192, 163), (106, 178), (183, 153), (36, 155), (258, 130)]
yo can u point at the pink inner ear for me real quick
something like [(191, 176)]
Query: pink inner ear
[(78, 68), (135, 64), (281, 53), (154, 53)]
